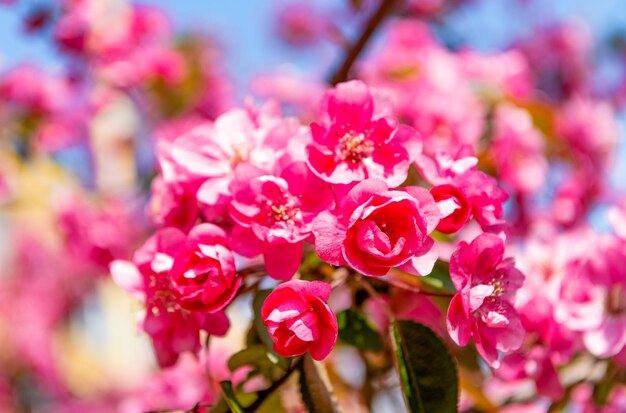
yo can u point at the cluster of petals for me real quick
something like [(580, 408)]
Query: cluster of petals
[(483, 306), (376, 228), (299, 320), (462, 191), (185, 282)]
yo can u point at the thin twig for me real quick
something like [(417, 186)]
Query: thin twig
[(384, 9), (264, 394), (374, 294)]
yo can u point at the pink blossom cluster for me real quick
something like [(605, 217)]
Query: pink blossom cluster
[(464, 191), (256, 185)]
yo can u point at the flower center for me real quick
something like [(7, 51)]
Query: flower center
[(283, 210), (353, 147)]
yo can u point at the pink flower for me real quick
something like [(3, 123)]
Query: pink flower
[(455, 208), (518, 149), (173, 204), (482, 190), (173, 329), (203, 272), (180, 386), (299, 320), (357, 140), (274, 214), (482, 308), (593, 297), (376, 229), (589, 129), (535, 364), (206, 157), (427, 86)]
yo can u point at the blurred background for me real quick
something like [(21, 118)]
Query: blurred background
[(86, 88)]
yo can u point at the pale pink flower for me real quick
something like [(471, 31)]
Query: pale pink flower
[(206, 157), (375, 229), (590, 130), (274, 214), (482, 308), (180, 386), (517, 149), (356, 141), (427, 86), (299, 320), (593, 296), (505, 74)]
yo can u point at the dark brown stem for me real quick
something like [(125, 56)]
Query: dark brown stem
[(384, 9), (264, 394)]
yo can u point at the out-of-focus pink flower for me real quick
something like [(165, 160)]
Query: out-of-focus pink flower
[(98, 234), (533, 364), (299, 24), (560, 56), (506, 74), (589, 129), (428, 87), (180, 386), (299, 320), (455, 208), (302, 94), (203, 272), (274, 214), (517, 149), (32, 90), (427, 8), (405, 305), (593, 296), (356, 141), (482, 308), (376, 229)]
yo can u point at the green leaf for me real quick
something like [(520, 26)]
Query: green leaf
[(439, 278), (427, 371), (315, 387), (357, 330), (262, 332), (229, 397), (251, 356)]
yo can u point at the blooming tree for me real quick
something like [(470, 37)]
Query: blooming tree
[(428, 222)]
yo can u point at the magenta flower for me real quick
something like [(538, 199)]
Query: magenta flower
[(455, 208), (173, 329), (485, 196), (482, 308), (274, 214), (203, 271), (357, 141), (299, 320), (376, 229)]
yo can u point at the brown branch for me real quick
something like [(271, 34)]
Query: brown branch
[(264, 394), (384, 9)]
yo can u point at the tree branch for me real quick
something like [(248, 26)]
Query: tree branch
[(384, 9)]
